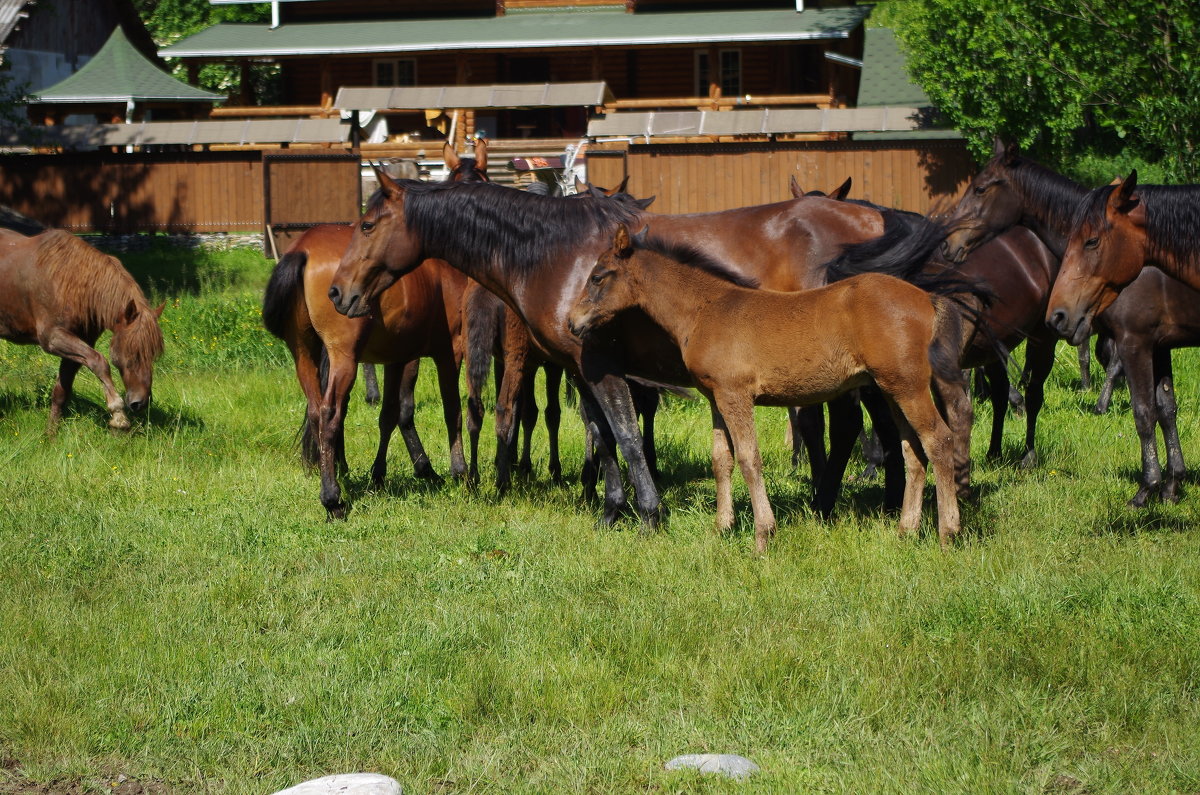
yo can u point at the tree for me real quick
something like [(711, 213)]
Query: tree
[(1058, 76), (171, 20)]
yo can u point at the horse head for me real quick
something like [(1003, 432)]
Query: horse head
[(1105, 252), (989, 206), (136, 342), (608, 290), (381, 250)]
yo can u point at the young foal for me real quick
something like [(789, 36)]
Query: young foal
[(745, 346), (58, 292)]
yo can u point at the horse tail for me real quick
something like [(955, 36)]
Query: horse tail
[(284, 290), (572, 396), (945, 349), (483, 329), (906, 245)]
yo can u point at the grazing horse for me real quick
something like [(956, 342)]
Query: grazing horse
[(1153, 315), (745, 346), (1118, 232), (61, 294), (536, 252), (418, 316)]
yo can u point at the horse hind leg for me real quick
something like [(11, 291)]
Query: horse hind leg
[(66, 345), (389, 419), (722, 466), (1164, 396), (1039, 359), (1139, 372), (553, 413), (370, 384), (407, 405), (61, 395), (330, 436), (737, 411), (927, 439)]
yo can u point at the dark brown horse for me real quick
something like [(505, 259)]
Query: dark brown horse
[(1118, 232), (58, 292), (419, 316), (536, 252), (1153, 315), (746, 346)]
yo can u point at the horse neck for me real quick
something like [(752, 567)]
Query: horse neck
[(1173, 222), (673, 294), (1047, 210)]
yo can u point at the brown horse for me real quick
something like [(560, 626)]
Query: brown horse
[(745, 346), (58, 292), (1149, 318), (536, 252), (419, 316)]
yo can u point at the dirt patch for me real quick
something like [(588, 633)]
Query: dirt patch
[(13, 784)]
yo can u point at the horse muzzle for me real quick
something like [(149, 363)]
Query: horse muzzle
[(350, 305), (1075, 331)]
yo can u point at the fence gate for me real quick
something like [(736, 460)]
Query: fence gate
[(303, 189)]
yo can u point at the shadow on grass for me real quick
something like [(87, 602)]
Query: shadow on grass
[(1124, 521)]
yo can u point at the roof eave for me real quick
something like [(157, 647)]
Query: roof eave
[(176, 52)]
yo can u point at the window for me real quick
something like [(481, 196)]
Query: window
[(395, 71), (730, 77)]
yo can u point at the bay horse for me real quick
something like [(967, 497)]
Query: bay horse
[(60, 293), (746, 347), (1153, 315), (419, 316), (536, 252)]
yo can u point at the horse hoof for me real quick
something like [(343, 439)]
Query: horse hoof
[(427, 472), (1141, 498), (119, 424), (337, 512)]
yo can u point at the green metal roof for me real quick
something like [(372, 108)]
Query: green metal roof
[(556, 29), (885, 78), (119, 73)]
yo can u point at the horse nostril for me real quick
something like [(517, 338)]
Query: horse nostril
[(137, 405), (334, 293), (1058, 320)]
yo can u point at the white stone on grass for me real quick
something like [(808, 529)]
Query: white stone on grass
[(346, 784), (730, 765)]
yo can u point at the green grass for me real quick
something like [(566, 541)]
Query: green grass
[(176, 609)]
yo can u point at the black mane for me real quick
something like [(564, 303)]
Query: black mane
[(689, 255), (1047, 191), (1172, 217), (517, 230)]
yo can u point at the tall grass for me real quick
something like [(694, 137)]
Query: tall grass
[(176, 609)]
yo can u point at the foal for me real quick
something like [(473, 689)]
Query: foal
[(745, 346)]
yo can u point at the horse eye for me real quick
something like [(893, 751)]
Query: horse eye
[(982, 189), (367, 226), (1092, 242), (597, 278)]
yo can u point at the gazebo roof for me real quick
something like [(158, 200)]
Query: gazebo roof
[(119, 73)]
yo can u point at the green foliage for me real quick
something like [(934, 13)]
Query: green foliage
[(1062, 75), (171, 20)]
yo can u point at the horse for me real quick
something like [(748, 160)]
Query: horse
[(535, 252), (61, 294), (1153, 315), (746, 347), (419, 316), (1117, 233)]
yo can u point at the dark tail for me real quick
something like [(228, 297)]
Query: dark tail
[(907, 243), (284, 289), (483, 329)]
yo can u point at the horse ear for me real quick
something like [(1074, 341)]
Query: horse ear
[(450, 156), (621, 243), (581, 186), (481, 154), (794, 187), (158, 312), (389, 186), (624, 184), (131, 311), (842, 191), (1010, 151), (639, 239), (1122, 199), (644, 203)]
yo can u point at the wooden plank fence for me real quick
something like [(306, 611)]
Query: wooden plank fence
[(691, 178)]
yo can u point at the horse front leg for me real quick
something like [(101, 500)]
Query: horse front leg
[(616, 402), (389, 418), (1039, 359), (602, 447), (722, 466), (407, 404), (342, 369), (1138, 361), (63, 389), (66, 345), (845, 421), (447, 365), (737, 413), (554, 375), (1164, 396), (998, 389), (884, 426)]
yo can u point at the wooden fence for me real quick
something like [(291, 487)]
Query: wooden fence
[(187, 192), (691, 178), (229, 191)]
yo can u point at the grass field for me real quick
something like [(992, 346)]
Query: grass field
[(175, 609)]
